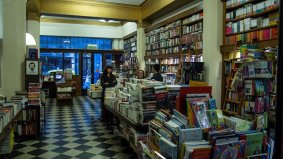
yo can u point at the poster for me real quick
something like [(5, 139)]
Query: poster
[(32, 67)]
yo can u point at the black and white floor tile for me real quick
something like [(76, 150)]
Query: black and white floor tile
[(73, 132)]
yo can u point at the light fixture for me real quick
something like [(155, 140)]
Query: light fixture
[(30, 41), (102, 20)]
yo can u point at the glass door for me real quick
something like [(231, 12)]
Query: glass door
[(97, 63), (86, 72)]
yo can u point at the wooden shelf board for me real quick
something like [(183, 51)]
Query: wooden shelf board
[(193, 22), (175, 55), (261, 44), (252, 30), (254, 15), (232, 101), (239, 5), (230, 112)]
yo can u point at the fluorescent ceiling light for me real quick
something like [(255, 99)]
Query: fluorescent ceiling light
[(102, 20), (30, 41)]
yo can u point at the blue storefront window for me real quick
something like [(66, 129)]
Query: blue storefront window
[(67, 42)]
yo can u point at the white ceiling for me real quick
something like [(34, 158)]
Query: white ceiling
[(131, 2)]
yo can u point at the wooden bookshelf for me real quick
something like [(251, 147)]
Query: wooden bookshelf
[(129, 57), (176, 37), (239, 24)]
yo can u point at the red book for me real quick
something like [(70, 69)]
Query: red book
[(201, 153)]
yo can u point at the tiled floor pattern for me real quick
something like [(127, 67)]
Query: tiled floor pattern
[(73, 131)]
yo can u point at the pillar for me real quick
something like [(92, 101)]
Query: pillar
[(13, 48), (33, 27), (212, 39)]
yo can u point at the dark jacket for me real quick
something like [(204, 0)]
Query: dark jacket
[(108, 81), (157, 77)]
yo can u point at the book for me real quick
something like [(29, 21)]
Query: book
[(260, 88), (203, 152), (259, 156), (168, 149), (212, 103), (249, 87), (191, 134), (233, 150), (254, 143), (199, 109)]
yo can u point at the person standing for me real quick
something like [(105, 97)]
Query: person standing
[(157, 76), (107, 80)]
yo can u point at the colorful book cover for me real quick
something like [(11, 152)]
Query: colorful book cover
[(220, 118), (260, 104), (260, 88), (201, 153), (199, 108), (234, 150), (254, 143), (191, 116), (212, 116), (212, 103)]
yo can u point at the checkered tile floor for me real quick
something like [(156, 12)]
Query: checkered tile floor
[(74, 132)]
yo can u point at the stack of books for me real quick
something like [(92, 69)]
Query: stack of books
[(34, 94)]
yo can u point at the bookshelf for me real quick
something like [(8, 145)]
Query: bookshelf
[(7, 129), (248, 21), (177, 39), (130, 53)]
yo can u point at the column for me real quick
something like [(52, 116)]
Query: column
[(212, 39), (141, 43), (13, 46), (33, 27)]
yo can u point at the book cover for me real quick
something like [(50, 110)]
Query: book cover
[(233, 150), (191, 134), (212, 116), (191, 116), (220, 119), (259, 156), (168, 149), (199, 108), (260, 88), (249, 87), (212, 103), (201, 153), (254, 143), (260, 104)]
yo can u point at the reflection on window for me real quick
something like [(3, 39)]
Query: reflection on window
[(71, 61), (65, 42), (51, 62), (108, 58), (97, 66), (86, 70)]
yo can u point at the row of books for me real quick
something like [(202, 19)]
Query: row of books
[(170, 61), (232, 3), (170, 50), (152, 52), (170, 33), (34, 94), (7, 112), (192, 18), (163, 44), (192, 28), (248, 24), (170, 26), (265, 34), (233, 96), (258, 69), (192, 38), (251, 9)]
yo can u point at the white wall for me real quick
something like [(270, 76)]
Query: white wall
[(14, 48), (129, 27), (80, 30), (178, 11), (212, 39), (1, 42), (33, 27)]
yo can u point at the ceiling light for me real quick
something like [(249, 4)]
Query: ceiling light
[(102, 20), (30, 41)]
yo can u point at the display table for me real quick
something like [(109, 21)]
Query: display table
[(64, 94)]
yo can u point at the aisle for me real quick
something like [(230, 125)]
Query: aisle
[(74, 132)]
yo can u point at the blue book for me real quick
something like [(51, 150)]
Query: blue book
[(168, 149), (191, 134)]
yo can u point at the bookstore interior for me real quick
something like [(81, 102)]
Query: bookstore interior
[(141, 79)]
